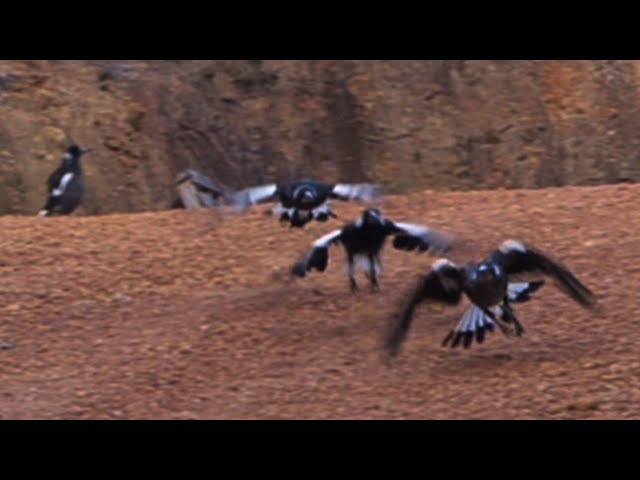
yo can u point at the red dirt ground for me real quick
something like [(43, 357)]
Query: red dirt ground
[(192, 315)]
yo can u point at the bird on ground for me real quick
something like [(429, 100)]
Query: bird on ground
[(487, 285), (66, 185), (302, 201), (363, 241)]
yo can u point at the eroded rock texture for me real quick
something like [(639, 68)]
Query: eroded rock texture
[(410, 125)]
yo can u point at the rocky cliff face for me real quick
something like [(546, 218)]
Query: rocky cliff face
[(409, 125)]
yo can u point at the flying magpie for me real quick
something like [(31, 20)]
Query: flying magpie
[(363, 241), (305, 200), (487, 286)]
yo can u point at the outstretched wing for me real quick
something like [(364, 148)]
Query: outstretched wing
[(442, 284), (516, 257), (520, 292), (365, 192), (243, 199), (412, 237), (318, 257)]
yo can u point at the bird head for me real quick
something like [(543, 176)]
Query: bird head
[(72, 155), (75, 151), (372, 216), (484, 272)]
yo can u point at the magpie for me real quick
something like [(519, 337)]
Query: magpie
[(487, 286), (302, 201), (65, 186), (363, 241)]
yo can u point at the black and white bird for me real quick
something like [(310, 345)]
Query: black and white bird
[(363, 241), (304, 200), (487, 286), (65, 186)]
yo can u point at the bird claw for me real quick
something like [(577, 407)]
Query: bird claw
[(506, 331)]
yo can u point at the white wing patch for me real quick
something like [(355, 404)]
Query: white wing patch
[(447, 283), (415, 230), (356, 191), (260, 193), (64, 181), (511, 245), (442, 262), (327, 239), (250, 196), (515, 289), (521, 291), (437, 241)]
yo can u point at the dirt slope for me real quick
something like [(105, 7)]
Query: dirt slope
[(192, 315), (406, 124)]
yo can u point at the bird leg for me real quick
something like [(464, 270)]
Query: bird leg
[(375, 286), (373, 274), (351, 273), (511, 317), (504, 328)]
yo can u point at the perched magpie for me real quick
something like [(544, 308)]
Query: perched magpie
[(363, 240), (304, 200), (65, 185), (487, 286)]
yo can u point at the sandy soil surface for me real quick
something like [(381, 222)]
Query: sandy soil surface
[(192, 315)]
